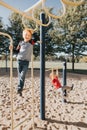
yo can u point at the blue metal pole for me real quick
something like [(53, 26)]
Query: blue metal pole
[(64, 73), (42, 68), (64, 80)]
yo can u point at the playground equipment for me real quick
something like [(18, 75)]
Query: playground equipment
[(42, 24), (29, 13), (11, 86), (25, 14), (11, 75), (67, 2)]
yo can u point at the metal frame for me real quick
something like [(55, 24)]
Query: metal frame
[(29, 13), (26, 15), (11, 76)]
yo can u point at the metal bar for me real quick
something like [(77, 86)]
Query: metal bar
[(64, 81), (64, 73), (42, 68)]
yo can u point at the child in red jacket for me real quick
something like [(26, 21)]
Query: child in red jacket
[(56, 83)]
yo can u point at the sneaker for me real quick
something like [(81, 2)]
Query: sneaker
[(64, 100), (64, 93), (19, 92), (72, 86)]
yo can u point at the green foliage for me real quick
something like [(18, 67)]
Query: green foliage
[(15, 29), (73, 30), (70, 32), (3, 39), (1, 24)]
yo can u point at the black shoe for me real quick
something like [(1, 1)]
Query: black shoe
[(19, 92), (72, 86), (64, 93), (64, 101)]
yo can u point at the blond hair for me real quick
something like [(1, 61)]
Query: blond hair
[(29, 30)]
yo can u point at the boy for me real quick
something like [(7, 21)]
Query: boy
[(23, 58)]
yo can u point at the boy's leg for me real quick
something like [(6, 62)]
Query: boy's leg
[(19, 69), (59, 90), (21, 74), (64, 94), (67, 88)]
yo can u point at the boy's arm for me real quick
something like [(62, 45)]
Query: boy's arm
[(18, 47), (15, 50)]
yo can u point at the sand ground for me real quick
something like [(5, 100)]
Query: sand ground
[(59, 116)]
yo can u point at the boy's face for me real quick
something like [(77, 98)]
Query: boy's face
[(27, 36)]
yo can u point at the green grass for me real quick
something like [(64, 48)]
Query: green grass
[(80, 68), (76, 71)]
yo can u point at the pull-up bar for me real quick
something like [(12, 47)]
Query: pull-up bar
[(29, 13), (24, 14), (67, 2)]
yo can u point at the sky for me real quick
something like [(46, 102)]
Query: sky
[(23, 5)]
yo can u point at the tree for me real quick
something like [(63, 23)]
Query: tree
[(15, 29), (1, 24), (72, 32), (2, 38)]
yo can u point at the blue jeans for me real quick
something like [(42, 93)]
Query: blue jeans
[(22, 69)]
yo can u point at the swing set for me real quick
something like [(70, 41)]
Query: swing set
[(30, 15)]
